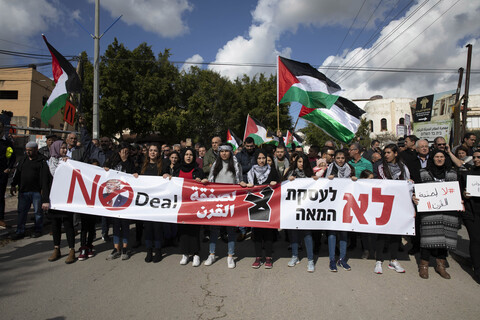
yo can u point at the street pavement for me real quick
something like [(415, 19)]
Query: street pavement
[(33, 288)]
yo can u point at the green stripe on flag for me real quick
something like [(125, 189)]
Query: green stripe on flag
[(51, 109), (329, 125), (310, 99)]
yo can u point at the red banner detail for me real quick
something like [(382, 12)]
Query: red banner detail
[(230, 205)]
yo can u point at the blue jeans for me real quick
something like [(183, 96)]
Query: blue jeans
[(307, 238), (215, 231), (332, 242), (25, 201)]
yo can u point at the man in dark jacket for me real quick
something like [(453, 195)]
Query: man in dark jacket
[(246, 157), (45, 151), (7, 160), (33, 180)]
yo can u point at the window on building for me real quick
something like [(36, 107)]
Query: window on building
[(9, 94), (44, 100), (401, 121), (371, 125), (383, 124)]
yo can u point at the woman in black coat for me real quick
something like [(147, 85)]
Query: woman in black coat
[(471, 218)]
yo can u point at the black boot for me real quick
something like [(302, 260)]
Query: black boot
[(158, 255), (148, 258)]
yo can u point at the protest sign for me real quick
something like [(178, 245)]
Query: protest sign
[(438, 196), (473, 185)]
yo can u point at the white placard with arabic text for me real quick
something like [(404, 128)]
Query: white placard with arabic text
[(473, 185), (438, 196)]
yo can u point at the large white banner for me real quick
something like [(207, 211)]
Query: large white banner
[(375, 206)]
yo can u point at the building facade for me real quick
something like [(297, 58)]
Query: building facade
[(383, 115), (24, 91)]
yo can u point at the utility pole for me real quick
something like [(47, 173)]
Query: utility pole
[(467, 86), (456, 112), (96, 72)]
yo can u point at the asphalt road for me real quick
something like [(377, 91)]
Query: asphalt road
[(33, 288)]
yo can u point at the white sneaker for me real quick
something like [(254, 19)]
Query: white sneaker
[(196, 261), (395, 265), (230, 262), (293, 262), (378, 267), (210, 260), (184, 260)]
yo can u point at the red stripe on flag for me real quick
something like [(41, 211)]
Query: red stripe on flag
[(285, 79)]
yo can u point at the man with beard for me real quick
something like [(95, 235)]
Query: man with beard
[(246, 157)]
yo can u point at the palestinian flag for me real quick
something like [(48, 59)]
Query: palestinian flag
[(233, 140), (300, 82), (257, 131), (66, 81), (292, 137)]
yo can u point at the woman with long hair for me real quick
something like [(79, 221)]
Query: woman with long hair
[(438, 230), (262, 173), (225, 169), (391, 168), (174, 163), (300, 168), (339, 168), (189, 233), (152, 166), (58, 152)]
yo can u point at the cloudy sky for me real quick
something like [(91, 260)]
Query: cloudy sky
[(364, 34)]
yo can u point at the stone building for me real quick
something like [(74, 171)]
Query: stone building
[(384, 114)]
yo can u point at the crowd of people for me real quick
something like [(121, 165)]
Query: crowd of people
[(410, 159)]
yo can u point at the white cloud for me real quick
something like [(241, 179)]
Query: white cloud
[(192, 61), (163, 17), (440, 46), (271, 19), (22, 19)]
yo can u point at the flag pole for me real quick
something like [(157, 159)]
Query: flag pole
[(245, 132), (278, 106)]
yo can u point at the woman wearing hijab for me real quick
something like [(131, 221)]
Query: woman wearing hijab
[(262, 174), (339, 168), (187, 168), (438, 230), (58, 152), (225, 169)]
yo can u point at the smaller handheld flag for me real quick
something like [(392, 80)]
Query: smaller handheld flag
[(233, 140), (257, 131)]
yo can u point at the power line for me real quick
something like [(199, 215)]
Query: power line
[(410, 42), (377, 45), (353, 22), (379, 28)]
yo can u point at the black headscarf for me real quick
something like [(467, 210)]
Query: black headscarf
[(187, 167), (438, 172)]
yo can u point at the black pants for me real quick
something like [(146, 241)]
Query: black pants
[(67, 219), (189, 239), (473, 229), (87, 233), (153, 234), (437, 253), (3, 187), (138, 230), (393, 243), (263, 236)]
